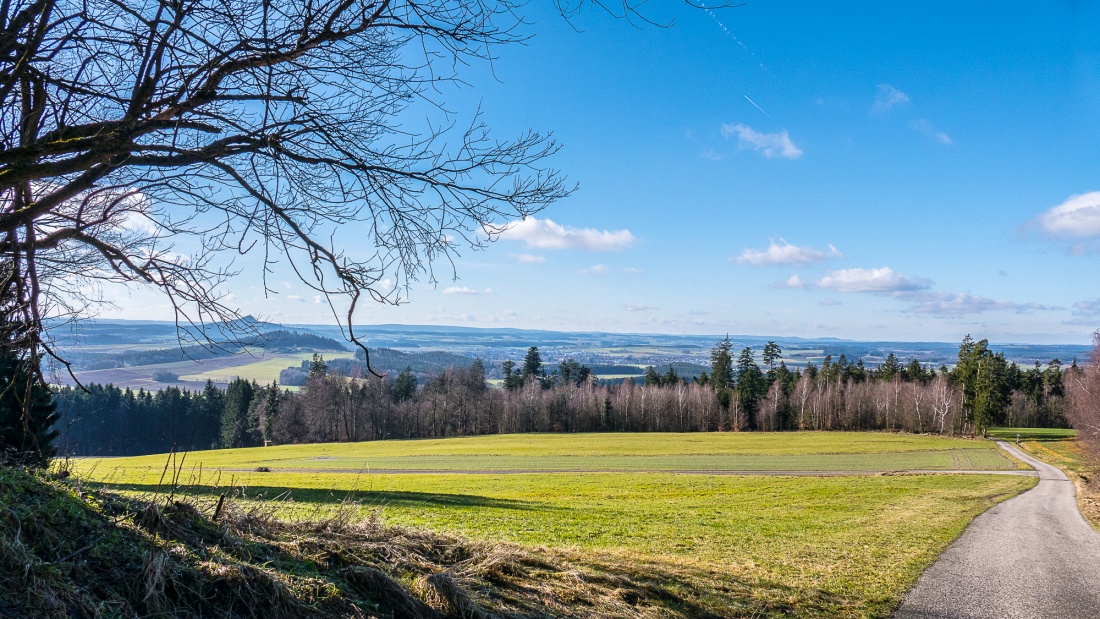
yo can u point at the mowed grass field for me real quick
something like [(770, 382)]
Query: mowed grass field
[(830, 452), (740, 545)]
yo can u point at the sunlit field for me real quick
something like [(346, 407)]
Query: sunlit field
[(783, 544)]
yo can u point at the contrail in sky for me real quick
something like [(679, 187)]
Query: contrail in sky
[(756, 106)]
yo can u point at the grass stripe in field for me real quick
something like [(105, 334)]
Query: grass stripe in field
[(800, 451), (962, 459)]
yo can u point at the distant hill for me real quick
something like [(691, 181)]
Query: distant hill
[(280, 341), (292, 341)]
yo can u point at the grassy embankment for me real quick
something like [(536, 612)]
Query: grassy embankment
[(1058, 447), (732, 545)]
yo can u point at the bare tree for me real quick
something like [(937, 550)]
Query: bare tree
[(149, 142), (1083, 399), (802, 391), (944, 399)]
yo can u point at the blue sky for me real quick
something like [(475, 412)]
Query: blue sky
[(859, 170)]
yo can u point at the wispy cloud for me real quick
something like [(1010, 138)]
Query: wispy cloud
[(793, 281), (712, 155), (596, 269), (829, 302), (870, 280), (1089, 308), (528, 258), (887, 98), (459, 290), (786, 254), (1078, 216), (768, 144), (927, 128), (639, 307), (948, 304), (546, 234)]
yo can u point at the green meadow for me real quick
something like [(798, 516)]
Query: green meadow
[(747, 545)]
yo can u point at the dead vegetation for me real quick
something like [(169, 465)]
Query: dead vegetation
[(66, 551)]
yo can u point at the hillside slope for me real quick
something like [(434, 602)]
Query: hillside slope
[(69, 551)]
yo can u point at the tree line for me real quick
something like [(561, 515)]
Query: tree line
[(983, 389)]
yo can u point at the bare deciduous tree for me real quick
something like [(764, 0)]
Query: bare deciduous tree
[(143, 142), (1083, 399)]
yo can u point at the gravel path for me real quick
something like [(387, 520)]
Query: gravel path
[(1030, 557)]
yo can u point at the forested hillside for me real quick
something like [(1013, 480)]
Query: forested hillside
[(736, 395), (272, 341)]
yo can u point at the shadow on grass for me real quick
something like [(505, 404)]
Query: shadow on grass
[(699, 592), (379, 498), (371, 566)]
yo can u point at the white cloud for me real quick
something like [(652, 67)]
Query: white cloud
[(545, 234), (286, 285), (1078, 216), (962, 303), (316, 298), (295, 297), (870, 280), (639, 307), (528, 258), (793, 281), (596, 269), (770, 144), (633, 270), (829, 302), (956, 304), (459, 290), (927, 128), (887, 98), (784, 253)]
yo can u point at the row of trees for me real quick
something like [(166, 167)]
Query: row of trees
[(736, 395), (107, 421)]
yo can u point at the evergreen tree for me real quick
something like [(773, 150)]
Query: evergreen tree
[(271, 410), (1052, 379), (27, 412), (236, 429), (532, 364), (512, 380), (317, 366), (721, 365), (670, 378), (751, 385), (652, 379), (210, 407), (571, 372), (889, 368), (27, 409), (772, 353), (984, 379), (404, 388)]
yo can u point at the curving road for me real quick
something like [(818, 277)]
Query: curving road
[(1030, 557)]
